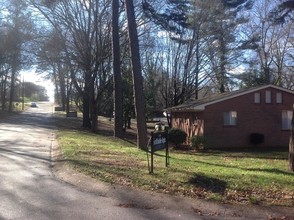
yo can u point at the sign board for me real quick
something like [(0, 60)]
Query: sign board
[(58, 108), (72, 114), (159, 141)]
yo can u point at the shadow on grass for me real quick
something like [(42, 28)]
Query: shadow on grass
[(274, 171), (208, 183), (269, 170), (258, 153)]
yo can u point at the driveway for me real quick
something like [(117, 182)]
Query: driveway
[(30, 190)]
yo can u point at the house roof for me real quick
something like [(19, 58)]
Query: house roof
[(200, 104)]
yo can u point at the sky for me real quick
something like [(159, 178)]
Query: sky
[(31, 76)]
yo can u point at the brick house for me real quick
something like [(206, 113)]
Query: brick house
[(234, 119)]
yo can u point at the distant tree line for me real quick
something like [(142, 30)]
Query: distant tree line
[(31, 91)]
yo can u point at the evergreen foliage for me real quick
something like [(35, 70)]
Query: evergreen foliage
[(177, 136), (283, 12)]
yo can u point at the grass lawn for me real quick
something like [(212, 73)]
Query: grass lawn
[(231, 177)]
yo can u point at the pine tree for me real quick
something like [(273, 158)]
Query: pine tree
[(137, 76), (283, 11), (118, 102)]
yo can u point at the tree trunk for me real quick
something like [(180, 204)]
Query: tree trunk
[(68, 96), (86, 111), (4, 91), (94, 108), (94, 117), (62, 86), (86, 101), (118, 103), (56, 84), (222, 76), (12, 88), (291, 145), (137, 76)]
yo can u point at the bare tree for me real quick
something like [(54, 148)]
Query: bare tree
[(49, 52), (85, 30), (280, 52), (274, 49), (271, 44), (18, 29)]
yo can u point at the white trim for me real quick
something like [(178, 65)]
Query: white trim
[(202, 107)]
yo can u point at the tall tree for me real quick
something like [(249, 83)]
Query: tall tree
[(19, 30), (49, 51), (137, 76), (203, 43), (283, 11), (270, 45), (118, 102), (224, 51), (84, 27), (179, 48)]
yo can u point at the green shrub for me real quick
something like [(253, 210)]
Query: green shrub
[(177, 136), (197, 142)]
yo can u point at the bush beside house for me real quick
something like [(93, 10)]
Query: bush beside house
[(177, 136)]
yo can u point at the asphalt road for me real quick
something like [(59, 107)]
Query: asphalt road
[(29, 190)]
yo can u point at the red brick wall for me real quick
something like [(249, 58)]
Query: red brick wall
[(260, 118)]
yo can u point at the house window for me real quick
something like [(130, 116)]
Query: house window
[(230, 118), (257, 97), (268, 96), (286, 119), (279, 97)]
